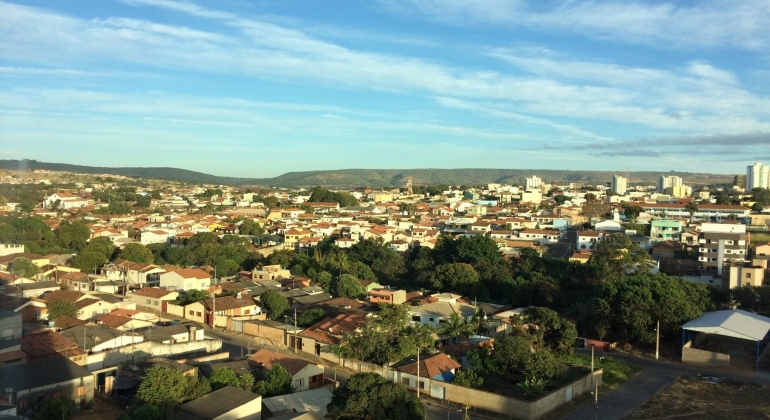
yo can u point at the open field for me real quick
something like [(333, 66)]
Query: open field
[(615, 372), (692, 397)]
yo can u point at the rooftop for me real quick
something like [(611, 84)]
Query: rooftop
[(219, 402)]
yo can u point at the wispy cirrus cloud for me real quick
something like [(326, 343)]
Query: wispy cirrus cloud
[(744, 24), (744, 145)]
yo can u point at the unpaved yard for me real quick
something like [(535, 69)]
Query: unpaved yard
[(690, 397)]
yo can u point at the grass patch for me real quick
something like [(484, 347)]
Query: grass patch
[(615, 372), (758, 238)]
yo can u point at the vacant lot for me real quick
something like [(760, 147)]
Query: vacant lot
[(694, 398), (615, 372)]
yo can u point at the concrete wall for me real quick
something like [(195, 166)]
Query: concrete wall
[(691, 355), (264, 333), (175, 310), (147, 349), (509, 406), (29, 399)]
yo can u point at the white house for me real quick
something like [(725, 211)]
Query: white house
[(588, 239), (185, 279), (438, 312), (66, 201), (156, 237)]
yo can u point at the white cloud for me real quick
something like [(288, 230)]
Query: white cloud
[(743, 24)]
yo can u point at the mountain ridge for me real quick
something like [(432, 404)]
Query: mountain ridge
[(346, 178)]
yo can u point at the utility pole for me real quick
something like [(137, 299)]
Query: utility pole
[(214, 303), (418, 375), (657, 341)]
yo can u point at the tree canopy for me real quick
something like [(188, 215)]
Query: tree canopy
[(273, 303), (369, 396), (137, 252), (24, 267), (347, 286), (277, 381)]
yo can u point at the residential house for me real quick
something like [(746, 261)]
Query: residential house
[(66, 201), (156, 237), (48, 344), (306, 375), (439, 367), (10, 325), (175, 333), (440, 309), (99, 338), (227, 403), (181, 279), (746, 274), (270, 272), (217, 311), (589, 239), (28, 385), (36, 289), (154, 298), (540, 235), (292, 237), (393, 297)]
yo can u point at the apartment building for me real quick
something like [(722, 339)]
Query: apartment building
[(665, 230), (719, 243)]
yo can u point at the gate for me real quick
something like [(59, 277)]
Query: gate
[(236, 326)]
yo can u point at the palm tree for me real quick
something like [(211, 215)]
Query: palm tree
[(340, 261), (455, 326), (691, 208)]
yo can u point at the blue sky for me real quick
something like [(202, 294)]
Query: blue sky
[(260, 88)]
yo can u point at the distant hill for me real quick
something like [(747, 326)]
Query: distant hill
[(346, 178)]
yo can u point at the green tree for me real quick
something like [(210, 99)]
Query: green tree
[(616, 255), (454, 327), (311, 317), (723, 199), (632, 212), (468, 378), (273, 303), (223, 377), (323, 279), (691, 208), (73, 236), (761, 195), (163, 387), (88, 261), (58, 408), (102, 246), (137, 252), (340, 261), (277, 381), (347, 286), (24, 267), (192, 295), (57, 308), (142, 412), (552, 330), (459, 278), (386, 337), (246, 382), (757, 207), (369, 396), (362, 271)]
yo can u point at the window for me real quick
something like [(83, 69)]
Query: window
[(416, 318), (155, 302), (198, 314), (431, 319), (192, 313), (247, 311), (81, 391), (405, 381), (748, 275), (314, 379), (149, 301), (422, 385), (299, 382)]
